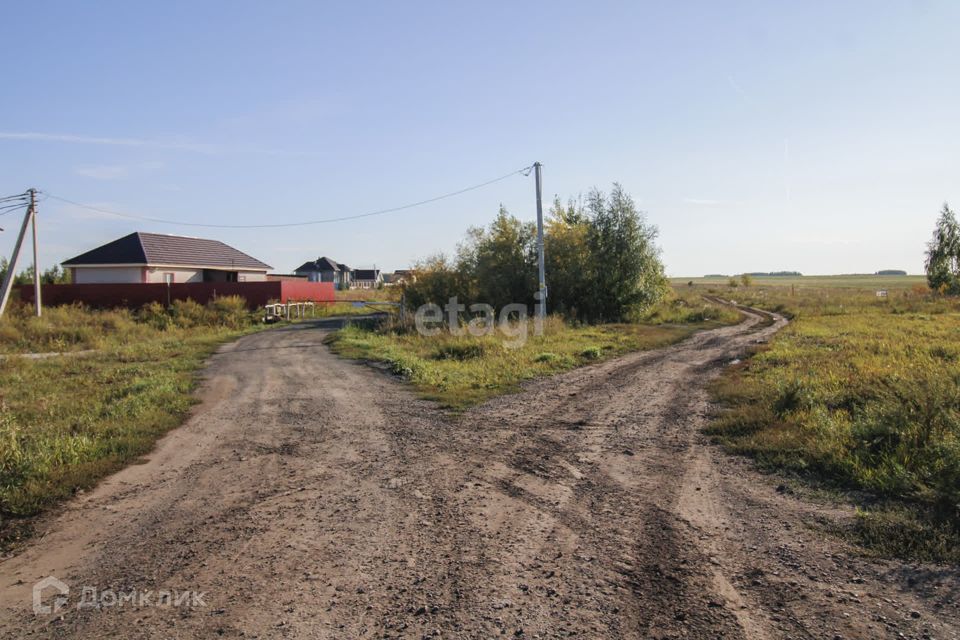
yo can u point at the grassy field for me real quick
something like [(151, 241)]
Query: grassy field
[(67, 421), (459, 371), (865, 282), (860, 394)]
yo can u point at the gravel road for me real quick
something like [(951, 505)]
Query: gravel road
[(314, 497)]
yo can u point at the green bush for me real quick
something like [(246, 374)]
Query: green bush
[(229, 311), (458, 351), (592, 353), (155, 315), (791, 396), (188, 313)]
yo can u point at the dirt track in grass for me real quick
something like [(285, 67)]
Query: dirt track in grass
[(314, 497)]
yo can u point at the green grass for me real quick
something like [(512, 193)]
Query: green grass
[(459, 371), (860, 394), (65, 422)]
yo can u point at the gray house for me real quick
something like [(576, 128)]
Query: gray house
[(326, 270)]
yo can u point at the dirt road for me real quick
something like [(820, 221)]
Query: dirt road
[(312, 497)]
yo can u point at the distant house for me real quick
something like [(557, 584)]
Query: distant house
[(326, 270), (399, 277), (367, 278), (157, 258)]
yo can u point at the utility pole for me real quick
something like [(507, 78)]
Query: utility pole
[(542, 307), (12, 266), (36, 261)]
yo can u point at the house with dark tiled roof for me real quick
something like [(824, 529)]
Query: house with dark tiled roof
[(399, 277), (326, 270), (157, 258), (367, 278)]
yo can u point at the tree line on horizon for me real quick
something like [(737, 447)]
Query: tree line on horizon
[(53, 275)]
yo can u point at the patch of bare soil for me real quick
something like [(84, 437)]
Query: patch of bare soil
[(315, 497)]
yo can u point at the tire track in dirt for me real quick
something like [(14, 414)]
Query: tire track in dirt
[(606, 447)]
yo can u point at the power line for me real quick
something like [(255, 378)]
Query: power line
[(9, 204), (13, 207), (293, 224)]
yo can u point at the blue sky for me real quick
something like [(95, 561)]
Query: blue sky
[(817, 136)]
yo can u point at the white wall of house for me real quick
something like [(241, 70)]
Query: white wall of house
[(159, 274), (107, 275), (114, 275)]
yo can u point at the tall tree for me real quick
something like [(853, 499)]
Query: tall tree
[(436, 281), (567, 259), (943, 254), (627, 273), (55, 275), (502, 261)]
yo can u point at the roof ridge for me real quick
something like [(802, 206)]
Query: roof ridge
[(142, 247)]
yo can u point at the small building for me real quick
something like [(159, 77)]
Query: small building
[(159, 258), (326, 270), (399, 277), (367, 279)]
